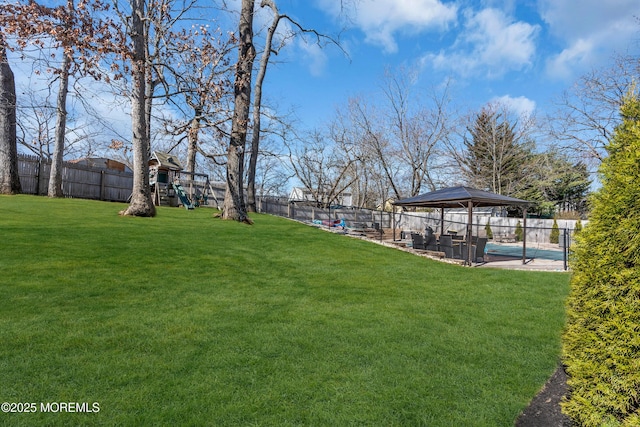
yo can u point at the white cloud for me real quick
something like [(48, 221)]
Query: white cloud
[(576, 56), (590, 33), (314, 57), (491, 42), (382, 20), (521, 105)]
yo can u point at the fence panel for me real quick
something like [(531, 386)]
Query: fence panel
[(29, 172), (79, 181)]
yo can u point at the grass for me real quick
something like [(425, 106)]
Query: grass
[(185, 319)]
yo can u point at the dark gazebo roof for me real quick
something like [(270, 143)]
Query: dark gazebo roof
[(456, 197)]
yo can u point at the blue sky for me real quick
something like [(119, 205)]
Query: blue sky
[(523, 53)]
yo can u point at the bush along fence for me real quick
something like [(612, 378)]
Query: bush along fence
[(79, 181), (546, 238)]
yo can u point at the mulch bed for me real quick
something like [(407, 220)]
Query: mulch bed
[(544, 409)]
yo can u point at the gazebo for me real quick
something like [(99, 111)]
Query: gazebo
[(469, 198)]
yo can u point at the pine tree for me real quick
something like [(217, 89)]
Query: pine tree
[(496, 155), (577, 228), (487, 229), (601, 343), (518, 232), (554, 236)]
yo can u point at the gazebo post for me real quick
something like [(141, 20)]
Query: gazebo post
[(393, 221), (469, 233), (524, 235), (442, 221)]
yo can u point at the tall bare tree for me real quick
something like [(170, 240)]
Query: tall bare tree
[(80, 35), (319, 164), (201, 76), (9, 178), (55, 176), (141, 201), (269, 49), (587, 113), (257, 104), (234, 206), (417, 130)]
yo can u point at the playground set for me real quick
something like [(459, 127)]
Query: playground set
[(172, 186)]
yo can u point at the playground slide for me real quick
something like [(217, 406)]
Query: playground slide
[(182, 196)]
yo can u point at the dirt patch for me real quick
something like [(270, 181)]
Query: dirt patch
[(544, 409)]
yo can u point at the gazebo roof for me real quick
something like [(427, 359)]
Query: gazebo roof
[(456, 197)]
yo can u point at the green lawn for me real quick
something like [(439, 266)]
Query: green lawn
[(185, 319)]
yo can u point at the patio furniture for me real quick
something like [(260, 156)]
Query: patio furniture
[(478, 250), (430, 243), (430, 239), (445, 244), (418, 241)]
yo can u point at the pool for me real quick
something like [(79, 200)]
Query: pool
[(532, 251)]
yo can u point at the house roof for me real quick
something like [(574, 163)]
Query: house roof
[(166, 160), (456, 197)]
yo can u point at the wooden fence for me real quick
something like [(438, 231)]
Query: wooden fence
[(78, 181)]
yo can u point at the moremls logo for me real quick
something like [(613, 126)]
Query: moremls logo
[(81, 407)]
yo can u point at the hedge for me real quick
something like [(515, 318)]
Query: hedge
[(601, 343)]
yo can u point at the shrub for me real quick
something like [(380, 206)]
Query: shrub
[(577, 228), (554, 237), (487, 229), (601, 342), (518, 231)]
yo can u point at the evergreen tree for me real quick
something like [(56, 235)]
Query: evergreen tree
[(519, 231), (577, 228), (554, 236), (488, 230), (601, 343), (496, 156)]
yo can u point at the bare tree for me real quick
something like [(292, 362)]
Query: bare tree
[(9, 178), (234, 207), (262, 70), (200, 75), (417, 130), (321, 167), (141, 202), (373, 136), (81, 37), (587, 113), (55, 177)]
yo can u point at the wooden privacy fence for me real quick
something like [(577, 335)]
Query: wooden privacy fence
[(78, 181)]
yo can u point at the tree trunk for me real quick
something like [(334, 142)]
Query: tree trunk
[(9, 178), (234, 206), (55, 176), (141, 202), (192, 149), (257, 102)]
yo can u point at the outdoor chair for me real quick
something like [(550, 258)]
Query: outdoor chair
[(430, 243), (446, 245), (418, 241), (430, 240), (478, 249)]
